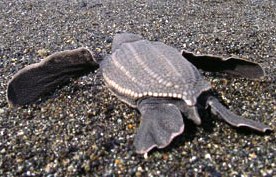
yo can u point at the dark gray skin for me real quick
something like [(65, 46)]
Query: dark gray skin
[(149, 76)]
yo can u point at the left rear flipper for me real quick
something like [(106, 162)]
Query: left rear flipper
[(160, 123), (218, 109), (231, 65)]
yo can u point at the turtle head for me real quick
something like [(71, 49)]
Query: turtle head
[(121, 38)]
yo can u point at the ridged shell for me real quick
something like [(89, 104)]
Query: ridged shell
[(152, 69)]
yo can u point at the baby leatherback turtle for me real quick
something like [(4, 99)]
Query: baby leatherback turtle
[(150, 76)]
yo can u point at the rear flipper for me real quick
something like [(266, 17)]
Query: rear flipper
[(230, 65), (160, 123), (36, 80), (218, 109)]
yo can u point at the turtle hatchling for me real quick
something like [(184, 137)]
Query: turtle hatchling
[(158, 80)]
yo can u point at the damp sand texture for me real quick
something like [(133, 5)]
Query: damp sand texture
[(83, 130)]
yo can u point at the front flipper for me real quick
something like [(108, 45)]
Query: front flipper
[(160, 123), (230, 65), (218, 109), (34, 81)]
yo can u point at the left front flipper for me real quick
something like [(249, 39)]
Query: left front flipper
[(230, 65), (36, 80), (160, 123)]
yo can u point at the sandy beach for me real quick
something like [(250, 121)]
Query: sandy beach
[(83, 130)]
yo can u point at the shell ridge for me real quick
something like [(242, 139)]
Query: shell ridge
[(125, 71), (151, 72), (143, 80), (110, 71), (141, 62)]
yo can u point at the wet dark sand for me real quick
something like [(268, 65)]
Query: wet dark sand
[(83, 130)]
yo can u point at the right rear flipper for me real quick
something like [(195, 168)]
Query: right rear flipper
[(237, 121), (36, 80)]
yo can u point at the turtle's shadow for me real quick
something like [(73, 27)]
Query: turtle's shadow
[(246, 131)]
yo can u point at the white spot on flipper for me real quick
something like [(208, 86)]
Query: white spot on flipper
[(189, 102)]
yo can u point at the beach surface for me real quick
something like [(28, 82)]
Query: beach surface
[(83, 130)]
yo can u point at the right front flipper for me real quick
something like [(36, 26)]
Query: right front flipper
[(230, 65), (36, 80), (160, 123)]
